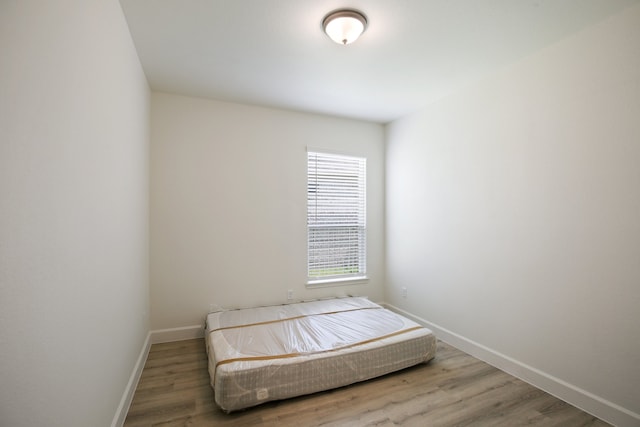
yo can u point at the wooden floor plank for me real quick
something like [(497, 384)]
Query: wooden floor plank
[(454, 389)]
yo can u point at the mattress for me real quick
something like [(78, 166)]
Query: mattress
[(277, 352)]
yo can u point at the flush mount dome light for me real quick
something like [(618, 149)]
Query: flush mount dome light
[(344, 26)]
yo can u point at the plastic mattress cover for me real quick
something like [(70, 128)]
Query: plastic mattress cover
[(240, 337)]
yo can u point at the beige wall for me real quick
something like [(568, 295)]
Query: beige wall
[(513, 212), (74, 113), (228, 205)]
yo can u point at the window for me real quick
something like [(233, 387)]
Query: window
[(336, 217)]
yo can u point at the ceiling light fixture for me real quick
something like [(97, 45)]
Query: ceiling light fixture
[(344, 26)]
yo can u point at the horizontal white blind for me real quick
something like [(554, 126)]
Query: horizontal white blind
[(336, 216)]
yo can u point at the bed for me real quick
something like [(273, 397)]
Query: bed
[(277, 352)]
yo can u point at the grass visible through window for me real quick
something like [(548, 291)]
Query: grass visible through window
[(335, 271)]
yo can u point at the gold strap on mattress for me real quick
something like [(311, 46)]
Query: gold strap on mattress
[(290, 355), (266, 322)]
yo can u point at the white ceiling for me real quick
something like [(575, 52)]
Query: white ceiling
[(274, 53)]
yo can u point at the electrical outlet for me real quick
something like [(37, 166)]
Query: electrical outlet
[(290, 294), (404, 292)]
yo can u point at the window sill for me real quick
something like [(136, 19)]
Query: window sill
[(323, 283)]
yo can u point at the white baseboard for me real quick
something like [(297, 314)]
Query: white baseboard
[(153, 337), (586, 401), (127, 397), (177, 334)]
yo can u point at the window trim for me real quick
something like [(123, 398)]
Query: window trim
[(337, 281)]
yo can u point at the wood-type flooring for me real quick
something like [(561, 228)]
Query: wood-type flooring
[(454, 389)]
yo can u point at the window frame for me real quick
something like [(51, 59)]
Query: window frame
[(360, 200)]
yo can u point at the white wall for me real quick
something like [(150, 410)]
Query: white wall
[(74, 125), (228, 204), (513, 214)]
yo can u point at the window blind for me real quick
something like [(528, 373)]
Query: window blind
[(336, 216)]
